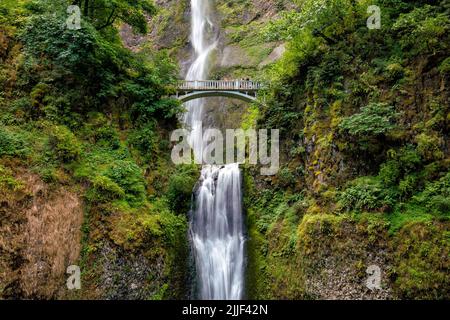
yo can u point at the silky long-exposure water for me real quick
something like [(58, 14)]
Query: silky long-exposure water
[(216, 226)]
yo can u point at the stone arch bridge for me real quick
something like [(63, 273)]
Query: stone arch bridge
[(245, 90)]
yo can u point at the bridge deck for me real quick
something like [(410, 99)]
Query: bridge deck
[(219, 85)]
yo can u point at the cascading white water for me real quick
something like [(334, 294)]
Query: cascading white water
[(217, 233), (216, 225), (201, 28)]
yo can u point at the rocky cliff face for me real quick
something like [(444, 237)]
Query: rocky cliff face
[(302, 244), (301, 227), (297, 246), (236, 22), (240, 53)]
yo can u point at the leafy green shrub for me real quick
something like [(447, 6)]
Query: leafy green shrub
[(287, 25), (47, 35), (374, 119), (408, 157), (99, 131), (63, 143), (148, 105), (37, 96), (429, 146), (390, 172), (366, 193), (107, 136), (181, 185), (145, 140), (12, 144), (103, 189), (441, 205), (408, 185), (286, 177), (400, 171), (394, 71), (436, 196), (174, 227), (299, 52), (422, 30), (15, 113), (58, 110), (128, 176)]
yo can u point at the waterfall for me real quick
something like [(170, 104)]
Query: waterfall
[(217, 233), (216, 226), (201, 27)]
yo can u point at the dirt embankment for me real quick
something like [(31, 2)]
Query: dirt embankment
[(40, 236)]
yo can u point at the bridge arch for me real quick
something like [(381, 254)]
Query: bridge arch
[(245, 90), (204, 94)]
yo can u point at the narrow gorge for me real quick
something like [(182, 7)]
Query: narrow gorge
[(216, 229), (89, 99)]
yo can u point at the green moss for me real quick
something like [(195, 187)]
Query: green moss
[(13, 144), (444, 67), (232, 10), (181, 184), (421, 252), (103, 189), (374, 119), (250, 117), (259, 52), (366, 193), (161, 293), (63, 143), (8, 184), (256, 273), (429, 146)]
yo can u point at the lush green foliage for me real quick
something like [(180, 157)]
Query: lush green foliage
[(374, 119), (181, 184), (363, 116), (83, 70), (421, 29), (63, 143), (11, 144), (86, 114), (103, 13), (436, 196), (366, 194)]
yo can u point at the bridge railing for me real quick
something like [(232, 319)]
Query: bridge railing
[(241, 85)]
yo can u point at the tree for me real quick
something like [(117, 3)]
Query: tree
[(103, 13)]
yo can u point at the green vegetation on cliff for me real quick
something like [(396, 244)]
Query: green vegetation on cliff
[(80, 111), (364, 118), (364, 122)]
